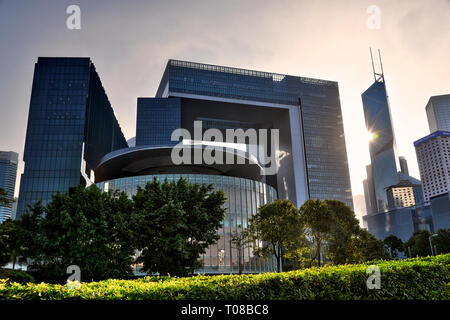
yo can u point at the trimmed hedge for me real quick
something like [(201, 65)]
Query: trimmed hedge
[(18, 276), (419, 278)]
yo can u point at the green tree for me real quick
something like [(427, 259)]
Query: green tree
[(344, 228), (319, 222), (84, 227), (394, 244), (10, 234), (31, 237), (442, 241), (5, 255), (419, 244), (366, 247), (177, 221), (279, 225), (5, 199)]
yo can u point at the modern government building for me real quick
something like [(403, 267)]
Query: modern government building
[(73, 137)]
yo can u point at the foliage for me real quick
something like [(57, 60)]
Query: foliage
[(442, 241), (4, 251), (419, 244), (420, 278), (178, 220), (84, 227), (18, 276), (10, 241), (394, 244), (344, 228), (367, 248), (31, 228), (5, 199), (280, 226), (335, 234), (319, 222)]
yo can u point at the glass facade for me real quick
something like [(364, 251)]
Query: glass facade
[(382, 147), (156, 119), (324, 140), (244, 196), (71, 125), (8, 172), (440, 206), (438, 113), (401, 222), (317, 101)]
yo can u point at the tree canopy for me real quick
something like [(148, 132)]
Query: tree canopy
[(5, 199), (419, 244), (178, 220), (280, 226), (335, 234), (394, 244), (84, 227)]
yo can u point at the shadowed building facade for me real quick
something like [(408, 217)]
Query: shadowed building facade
[(311, 156), (312, 152), (71, 125), (382, 147), (243, 185)]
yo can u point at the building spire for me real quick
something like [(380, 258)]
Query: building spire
[(378, 77)]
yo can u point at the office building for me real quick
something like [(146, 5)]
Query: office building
[(382, 146), (312, 155), (438, 113), (369, 191), (403, 165), (8, 173), (386, 168), (433, 156), (404, 194), (242, 184), (400, 222), (440, 206), (71, 125)]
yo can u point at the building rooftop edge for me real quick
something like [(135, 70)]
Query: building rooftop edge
[(200, 65), (435, 134)]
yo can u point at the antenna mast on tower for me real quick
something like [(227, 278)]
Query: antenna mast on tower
[(379, 77)]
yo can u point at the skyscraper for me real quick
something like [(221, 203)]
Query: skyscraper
[(369, 191), (404, 194), (8, 172), (404, 165), (307, 112), (386, 168), (71, 125), (382, 146), (433, 156), (438, 113), (201, 98)]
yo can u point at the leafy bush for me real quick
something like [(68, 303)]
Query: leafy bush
[(18, 276), (419, 278)]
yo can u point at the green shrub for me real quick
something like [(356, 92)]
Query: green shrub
[(18, 276), (420, 278)]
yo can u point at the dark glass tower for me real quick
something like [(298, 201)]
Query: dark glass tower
[(313, 157), (382, 147), (71, 125), (156, 119), (8, 172), (386, 168)]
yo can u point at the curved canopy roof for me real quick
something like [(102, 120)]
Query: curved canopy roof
[(146, 160)]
